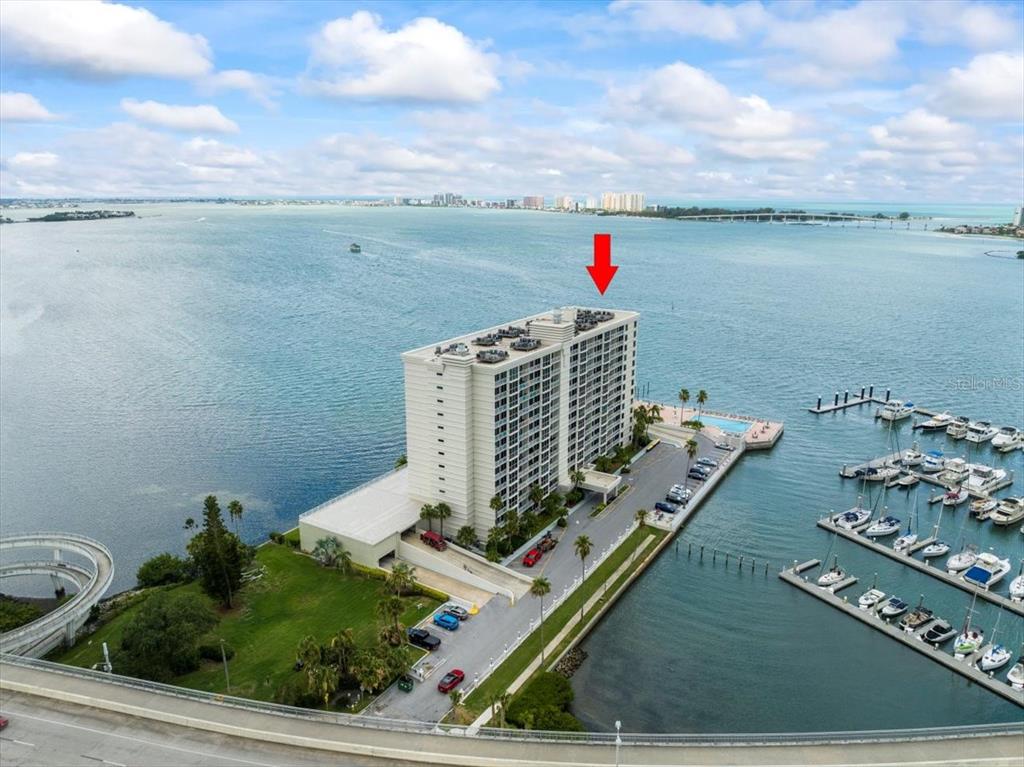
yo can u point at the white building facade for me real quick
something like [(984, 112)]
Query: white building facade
[(496, 412), (623, 202)]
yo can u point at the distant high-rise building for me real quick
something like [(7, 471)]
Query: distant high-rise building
[(533, 202), (1018, 216), (565, 202), (511, 203), (590, 203), (623, 202)]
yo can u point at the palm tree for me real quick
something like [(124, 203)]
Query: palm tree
[(702, 397), (621, 455), (342, 649), (692, 448), (684, 397), (503, 702), (343, 559), (654, 413), (390, 611), (442, 511), (401, 578), (326, 551), (577, 478), (641, 517), (603, 463), (427, 514), (494, 538), (308, 652), (540, 588), (455, 696), (583, 546), (536, 495), (512, 525), (323, 680), (466, 537), (235, 512)]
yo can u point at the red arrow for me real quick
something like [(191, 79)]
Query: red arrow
[(603, 270)]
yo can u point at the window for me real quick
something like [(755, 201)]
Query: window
[(440, 415), (440, 440), (440, 465)]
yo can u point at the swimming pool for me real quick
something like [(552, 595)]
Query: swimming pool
[(725, 424)]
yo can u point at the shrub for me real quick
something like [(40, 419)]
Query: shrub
[(295, 692), (433, 593), (276, 537), (212, 652), (563, 522), (544, 705), (162, 570)]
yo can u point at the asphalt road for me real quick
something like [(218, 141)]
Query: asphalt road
[(480, 640)]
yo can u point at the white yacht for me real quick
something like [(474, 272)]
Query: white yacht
[(935, 423), (982, 507), (980, 431), (955, 497), (1007, 436), (1017, 443), (883, 527), (968, 643), (870, 598), (962, 559), (907, 481), (957, 428), (896, 410), (1017, 585), (1009, 512), (940, 631), (954, 471), (934, 461), (983, 479), (893, 607), (997, 656), (853, 519), (912, 458), (937, 549), (987, 571), (832, 576), (1015, 676), (881, 474)]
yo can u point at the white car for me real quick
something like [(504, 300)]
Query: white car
[(724, 446)]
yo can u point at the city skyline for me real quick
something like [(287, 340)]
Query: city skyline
[(916, 102)]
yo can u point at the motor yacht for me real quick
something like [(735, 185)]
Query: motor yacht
[(982, 507), (895, 606), (987, 571), (883, 527), (870, 598), (957, 428), (1006, 436), (937, 549), (1010, 511), (962, 560), (1015, 676), (934, 461), (935, 423), (853, 519), (954, 471), (877, 474), (911, 458), (980, 431), (983, 479), (955, 497), (832, 576), (915, 619), (997, 656), (1017, 443), (939, 632), (896, 410), (969, 642)]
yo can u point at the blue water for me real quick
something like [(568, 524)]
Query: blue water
[(725, 424), (245, 352)]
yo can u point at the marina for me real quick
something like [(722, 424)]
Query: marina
[(908, 559), (966, 667), (892, 469)]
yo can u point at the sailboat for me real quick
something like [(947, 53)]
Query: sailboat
[(970, 638), (1017, 585), (936, 548), (908, 539), (833, 575), (996, 656), (1015, 676), (962, 559)]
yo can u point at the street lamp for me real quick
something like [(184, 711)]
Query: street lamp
[(224, 657), (618, 740)]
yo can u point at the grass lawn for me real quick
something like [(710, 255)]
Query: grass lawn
[(516, 663), (295, 598)]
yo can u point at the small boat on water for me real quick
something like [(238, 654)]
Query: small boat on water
[(955, 497), (936, 549), (1017, 443), (1017, 585), (997, 656), (954, 471), (934, 461), (883, 527), (1010, 511), (962, 559), (853, 519), (907, 481), (832, 576), (982, 507), (895, 606), (968, 643), (980, 431), (870, 598), (1008, 436), (935, 423), (355, 248), (904, 542), (912, 458), (877, 474), (915, 619), (896, 410), (957, 428), (1015, 676), (939, 632), (987, 571)]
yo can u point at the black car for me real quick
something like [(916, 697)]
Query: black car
[(423, 638), (668, 508), (456, 612), (696, 473)]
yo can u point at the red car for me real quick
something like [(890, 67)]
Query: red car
[(451, 680), (532, 557)]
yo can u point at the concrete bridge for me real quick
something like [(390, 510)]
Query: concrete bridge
[(91, 582), (817, 219)]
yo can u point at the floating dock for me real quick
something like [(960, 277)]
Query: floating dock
[(924, 567), (894, 460), (963, 667)]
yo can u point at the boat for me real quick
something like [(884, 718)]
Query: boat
[(907, 481), (957, 428), (935, 423), (896, 410), (968, 642), (915, 619), (1009, 512), (833, 575), (997, 656), (933, 461), (1017, 585), (355, 248), (954, 471), (912, 458), (936, 549), (962, 559), (1015, 676), (939, 632), (980, 431), (904, 542), (955, 497), (853, 519), (1006, 436), (1015, 443), (987, 571), (982, 507), (983, 479), (877, 474), (893, 607), (870, 598), (883, 527)]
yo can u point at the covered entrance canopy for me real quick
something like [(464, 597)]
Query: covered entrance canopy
[(601, 482)]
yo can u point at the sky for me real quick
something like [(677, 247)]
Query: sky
[(911, 100)]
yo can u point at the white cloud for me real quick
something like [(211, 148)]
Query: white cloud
[(978, 25), (88, 38), (991, 86), (691, 18), (23, 107), (860, 37), (258, 87), (426, 60), (33, 160), (215, 154), (921, 131), (203, 118), (793, 150)]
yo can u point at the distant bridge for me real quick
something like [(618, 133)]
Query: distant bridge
[(60, 626), (819, 219)]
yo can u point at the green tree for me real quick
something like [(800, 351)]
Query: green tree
[(390, 610), (161, 570), (536, 495), (621, 455), (577, 478), (235, 511), (466, 537), (323, 681), (326, 551), (684, 397), (540, 588), (162, 641), (427, 514), (497, 504), (219, 555), (401, 461), (692, 448), (455, 696), (401, 578), (604, 463), (702, 397), (442, 512), (512, 526), (583, 546), (341, 650), (495, 537), (641, 517)]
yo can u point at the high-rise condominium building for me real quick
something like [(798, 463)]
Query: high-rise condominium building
[(534, 202), (565, 202), (496, 412), (1018, 216), (623, 202)]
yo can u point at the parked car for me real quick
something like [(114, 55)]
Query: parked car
[(446, 621), (682, 490), (705, 461), (724, 446), (677, 499), (451, 680), (456, 612), (696, 473), (405, 683), (532, 557), (434, 540), (547, 543), (423, 638), (668, 508)]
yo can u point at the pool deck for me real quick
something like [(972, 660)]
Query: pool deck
[(762, 434)]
